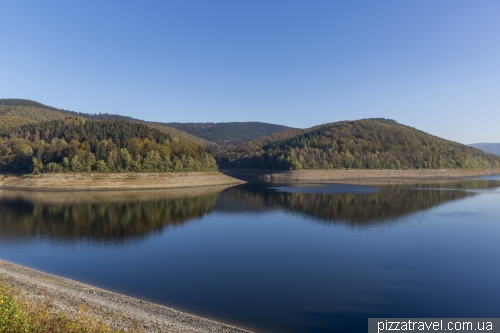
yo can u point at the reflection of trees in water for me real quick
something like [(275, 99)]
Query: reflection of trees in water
[(361, 209), (99, 220), (459, 185), (120, 217)]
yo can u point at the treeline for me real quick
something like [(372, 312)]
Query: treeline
[(26, 102), (18, 112), (82, 145), (362, 144), (35, 111), (229, 134)]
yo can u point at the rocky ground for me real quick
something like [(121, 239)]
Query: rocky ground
[(117, 311)]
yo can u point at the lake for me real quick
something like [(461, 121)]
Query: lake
[(318, 257)]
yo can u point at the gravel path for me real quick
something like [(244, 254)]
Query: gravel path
[(116, 310)]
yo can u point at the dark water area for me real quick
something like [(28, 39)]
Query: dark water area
[(289, 258)]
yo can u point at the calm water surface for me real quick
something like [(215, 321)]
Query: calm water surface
[(297, 258)]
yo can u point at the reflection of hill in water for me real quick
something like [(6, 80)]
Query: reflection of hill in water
[(121, 216), (388, 203), (117, 217)]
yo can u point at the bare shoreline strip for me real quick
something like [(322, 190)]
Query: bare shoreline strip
[(178, 180), (114, 181), (116, 310), (280, 176)]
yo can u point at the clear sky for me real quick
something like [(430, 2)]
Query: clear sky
[(430, 64)]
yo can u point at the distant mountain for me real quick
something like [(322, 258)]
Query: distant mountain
[(361, 144), (229, 134), (17, 112), (491, 148)]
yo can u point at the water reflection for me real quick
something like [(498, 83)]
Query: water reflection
[(122, 216), (326, 188), (100, 216), (256, 260), (391, 201)]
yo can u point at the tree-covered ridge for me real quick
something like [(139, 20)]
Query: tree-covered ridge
[(82, 145), (229, 134), (361, 144), (28, 103), (17, 112)]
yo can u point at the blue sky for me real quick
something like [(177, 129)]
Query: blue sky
[(433, 65)]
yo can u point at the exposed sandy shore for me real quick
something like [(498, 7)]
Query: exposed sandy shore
[(69, 197), (279, 176), (118, 311), (114, 181), (171, 180)]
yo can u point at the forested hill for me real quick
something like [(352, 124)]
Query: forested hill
[(362, 144), (16, 112), (492, 148), (83, 145), (229, 134), (216, 136)]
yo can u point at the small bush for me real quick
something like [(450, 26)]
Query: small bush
[(19, 316)]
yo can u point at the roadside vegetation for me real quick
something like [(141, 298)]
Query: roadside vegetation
[(18, 315)]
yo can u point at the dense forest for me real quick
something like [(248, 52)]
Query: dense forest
[(32, 139), (362, 144), (215, 136), (17, 112), (229, 134), (83, 145)]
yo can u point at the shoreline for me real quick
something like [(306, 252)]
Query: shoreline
[(114, 181), (114, 309), (59, 182), (68, 196), (308, 175)]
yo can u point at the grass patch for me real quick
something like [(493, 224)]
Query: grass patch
[(17, 315)]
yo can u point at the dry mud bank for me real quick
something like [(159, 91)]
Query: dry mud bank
[(68, 196), (118, 311), (279, 176), (114, 181)]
